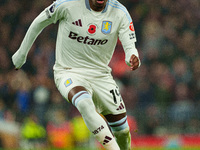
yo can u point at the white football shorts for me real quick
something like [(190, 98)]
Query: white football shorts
[(104, 90)]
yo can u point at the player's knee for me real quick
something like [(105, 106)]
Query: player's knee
[(83, 101), (120, 126), (122, 133)]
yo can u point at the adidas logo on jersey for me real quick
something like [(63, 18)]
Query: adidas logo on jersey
[(121, 106), (106, 140), (77, 23)]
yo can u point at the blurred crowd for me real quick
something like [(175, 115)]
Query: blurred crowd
[(162, 96)]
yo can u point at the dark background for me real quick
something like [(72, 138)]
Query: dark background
[(162, 96)]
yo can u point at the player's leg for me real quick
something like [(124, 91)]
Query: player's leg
[(109, 102), (78, 92), (82, 100), (119, 126)]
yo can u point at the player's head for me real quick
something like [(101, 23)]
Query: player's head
[(98, 5)]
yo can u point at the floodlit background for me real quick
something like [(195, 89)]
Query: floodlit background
[(162, 96)]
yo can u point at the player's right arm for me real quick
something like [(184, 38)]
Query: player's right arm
[(128, 38), (50, 15)]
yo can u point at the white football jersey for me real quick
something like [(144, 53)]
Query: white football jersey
[(87, 39)]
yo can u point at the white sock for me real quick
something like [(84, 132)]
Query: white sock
[(123, 139), (95, 123), (122, 134)]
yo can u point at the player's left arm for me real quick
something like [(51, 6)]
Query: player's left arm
[(128, 38)]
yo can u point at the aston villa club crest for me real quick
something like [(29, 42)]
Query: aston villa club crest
[(106, 27), (68, 82)]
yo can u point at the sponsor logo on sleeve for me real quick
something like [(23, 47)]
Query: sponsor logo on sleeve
[(132, 36), (52, 8), (131, 27)]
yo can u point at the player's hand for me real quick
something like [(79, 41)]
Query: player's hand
[(134, 62), (18, 60)]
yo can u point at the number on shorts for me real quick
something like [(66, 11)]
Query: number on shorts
[(115, 94)]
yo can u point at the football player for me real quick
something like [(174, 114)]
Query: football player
[(87, 35)]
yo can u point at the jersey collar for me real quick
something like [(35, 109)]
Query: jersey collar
[(88, 6)]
